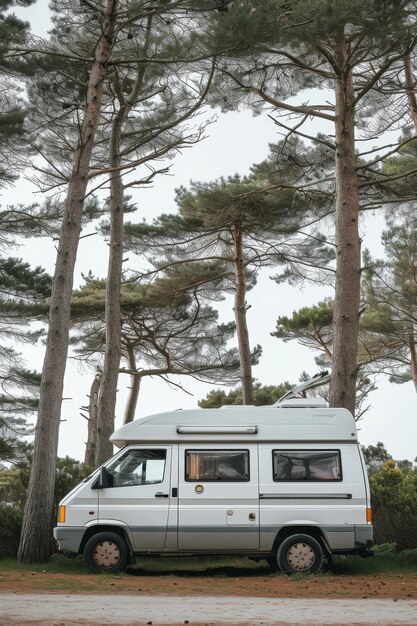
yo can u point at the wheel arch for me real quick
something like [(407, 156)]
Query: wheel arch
[(94, 530), (312, 531)]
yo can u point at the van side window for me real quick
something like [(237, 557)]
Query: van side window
[(137, 467), (313, 465), (217, 465)]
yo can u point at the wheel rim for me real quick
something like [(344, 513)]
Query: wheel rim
[(106, 554), (301, 557)]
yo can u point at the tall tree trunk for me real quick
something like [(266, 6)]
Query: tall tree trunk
[(113, 351), (348, 248), (35, 541), (240, 309), (135, 381), (410, 90), (90, 448), (413, 357), (108, 386)]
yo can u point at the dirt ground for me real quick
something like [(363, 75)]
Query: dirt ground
[(254, 583)]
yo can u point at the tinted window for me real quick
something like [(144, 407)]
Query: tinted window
[(137, 467), (313, 465), (218, 465)]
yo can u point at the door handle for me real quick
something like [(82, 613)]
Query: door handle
[(161, 494)]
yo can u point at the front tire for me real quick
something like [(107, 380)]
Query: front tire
[(106, 552), (300, 554)]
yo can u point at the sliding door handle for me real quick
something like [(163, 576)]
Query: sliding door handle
[(161, 494)]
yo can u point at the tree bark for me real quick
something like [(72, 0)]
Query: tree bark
[(348, 247), (413, 358), (135, 381), (410, 90), (90, 448), (240, 309), (113, 315), (112, 355), (35, 541)]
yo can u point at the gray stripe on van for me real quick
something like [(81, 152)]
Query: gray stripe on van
[(327, 529), (195, 529), (305, 496)]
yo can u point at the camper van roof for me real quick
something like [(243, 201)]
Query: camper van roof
[(268, 423)]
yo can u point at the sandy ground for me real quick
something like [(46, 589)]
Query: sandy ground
[(224, 582), (93, 610), (227, 597)]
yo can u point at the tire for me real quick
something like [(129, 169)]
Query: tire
[(300, 554), (106, 552)]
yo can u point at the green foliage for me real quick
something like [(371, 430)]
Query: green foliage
[(10, 523), (394, 504), (13, 487), (390, 288), (14, 139), (310, 326), (383, 550), (18, 279), (22, 290), (263, 395), (167, 327), (375, 456)]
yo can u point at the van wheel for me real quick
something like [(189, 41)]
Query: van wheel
[(300, 554), (106, 552)]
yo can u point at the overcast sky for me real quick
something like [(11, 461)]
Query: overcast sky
[(233, 144)]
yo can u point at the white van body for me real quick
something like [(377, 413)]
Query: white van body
[(286, 482)]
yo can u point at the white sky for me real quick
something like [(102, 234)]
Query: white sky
[(233, 144)]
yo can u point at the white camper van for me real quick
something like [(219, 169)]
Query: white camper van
[(286, 483)]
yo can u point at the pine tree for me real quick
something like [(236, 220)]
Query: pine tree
[(23, 292), (246, 223), (143, 128), (262, 396), (36, 528), (277, 49), (391, 291), (14, 142), (312, 327), (167, 330)]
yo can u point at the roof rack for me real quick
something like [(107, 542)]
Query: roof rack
[(319, 379)]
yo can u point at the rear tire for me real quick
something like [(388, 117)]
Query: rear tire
[(106, 552), (300, 554)]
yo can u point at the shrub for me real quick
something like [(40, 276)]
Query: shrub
[(13, 486), (394, 503), (10, 525)]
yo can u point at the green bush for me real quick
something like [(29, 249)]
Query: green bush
[(394, 504), (383, 550), (13, 487), (10, 524)]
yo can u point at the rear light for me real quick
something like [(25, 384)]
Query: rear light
[(61, 515), (369, 515)]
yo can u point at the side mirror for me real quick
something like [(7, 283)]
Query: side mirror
[(102, 480)]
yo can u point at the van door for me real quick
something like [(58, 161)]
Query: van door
[(138, 494), (218, 498)]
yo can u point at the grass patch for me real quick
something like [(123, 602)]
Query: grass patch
[(385, 560), (58, 564)]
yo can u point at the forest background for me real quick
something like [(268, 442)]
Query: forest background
[(232, 144), (279, 200)]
